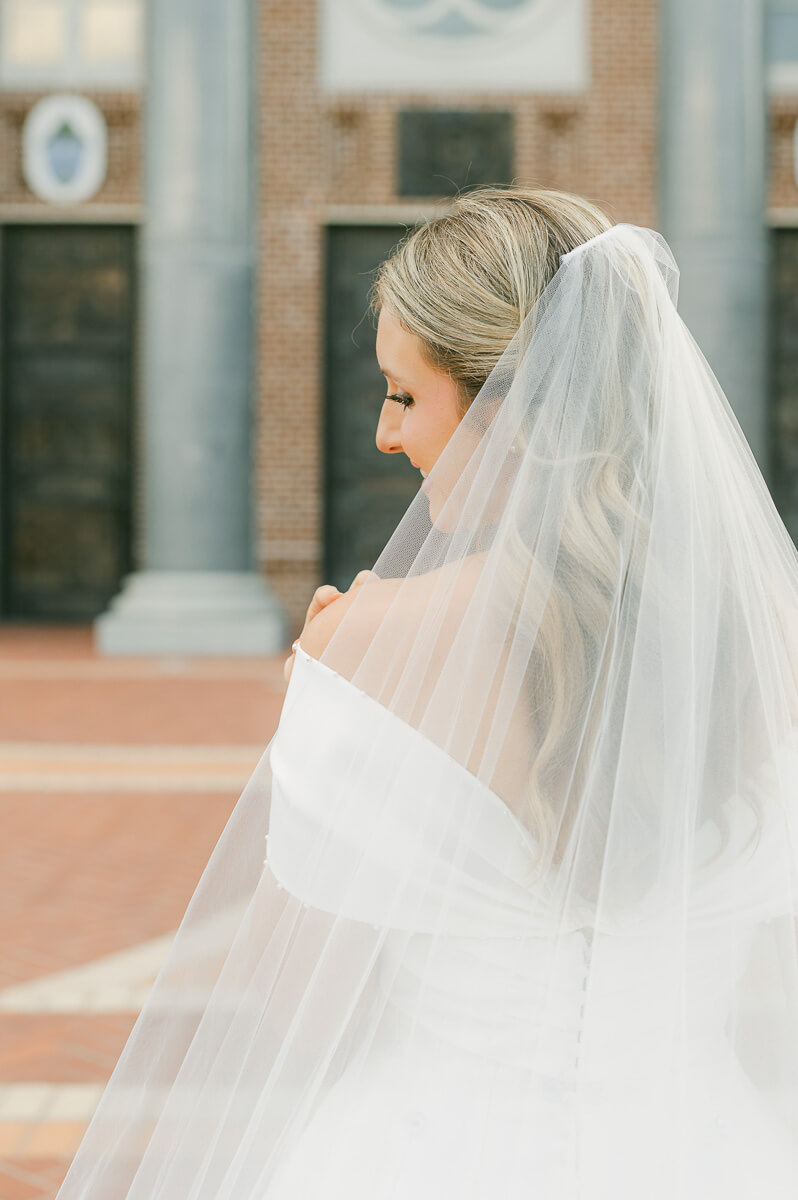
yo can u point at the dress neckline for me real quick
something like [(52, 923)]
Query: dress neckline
[(492, 797)]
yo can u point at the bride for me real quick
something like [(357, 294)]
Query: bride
[(507, 908)]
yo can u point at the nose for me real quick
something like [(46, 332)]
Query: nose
[(388, 428)]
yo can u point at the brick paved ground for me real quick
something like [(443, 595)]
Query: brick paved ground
[(117, 776)]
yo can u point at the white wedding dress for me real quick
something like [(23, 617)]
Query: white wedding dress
[(477, 1085)]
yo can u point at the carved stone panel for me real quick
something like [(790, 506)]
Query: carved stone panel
[(454, 45)]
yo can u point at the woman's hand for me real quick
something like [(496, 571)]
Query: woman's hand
[(322, 596)]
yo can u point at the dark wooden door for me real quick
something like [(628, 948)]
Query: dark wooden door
[(784, 375), (67, 362), (366, 492)]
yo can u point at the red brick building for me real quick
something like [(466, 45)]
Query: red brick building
[(336, 171)]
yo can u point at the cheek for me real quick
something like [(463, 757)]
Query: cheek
[(415, 433), (426, 430), (443, 429)]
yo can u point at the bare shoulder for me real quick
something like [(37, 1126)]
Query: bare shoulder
[(401, 600)]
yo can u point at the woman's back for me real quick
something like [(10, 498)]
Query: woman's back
[(474, 1065)]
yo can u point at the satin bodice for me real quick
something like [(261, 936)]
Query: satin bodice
[(372, 821)]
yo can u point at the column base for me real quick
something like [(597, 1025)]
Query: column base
[(192, 613)]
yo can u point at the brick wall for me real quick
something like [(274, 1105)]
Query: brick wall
[(783, 190), (317, 153)]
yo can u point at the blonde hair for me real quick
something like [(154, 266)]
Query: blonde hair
[(463, 283)]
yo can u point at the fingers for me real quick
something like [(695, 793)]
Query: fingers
[(322, 596), (325, 594)]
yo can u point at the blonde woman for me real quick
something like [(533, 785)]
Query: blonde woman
[(507, 909)]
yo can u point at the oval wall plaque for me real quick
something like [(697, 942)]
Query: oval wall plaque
[(65, 149)]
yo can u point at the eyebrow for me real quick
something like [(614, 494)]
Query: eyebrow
[(389, 375)]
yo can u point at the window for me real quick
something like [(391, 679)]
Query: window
[(65, 43)]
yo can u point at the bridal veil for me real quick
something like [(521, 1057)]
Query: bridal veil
[(508, 906)]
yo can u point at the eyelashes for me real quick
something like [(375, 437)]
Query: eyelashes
[(401, 398)]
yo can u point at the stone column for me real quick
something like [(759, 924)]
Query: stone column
[(713, 191), (199, 591)]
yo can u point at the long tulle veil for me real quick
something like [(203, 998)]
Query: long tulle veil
[(527, 835)]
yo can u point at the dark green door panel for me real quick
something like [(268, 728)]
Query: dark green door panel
[(67, 352), (366, 492), (784, 374)]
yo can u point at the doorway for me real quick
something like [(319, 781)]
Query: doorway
[(68, 311), (365, 492)]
